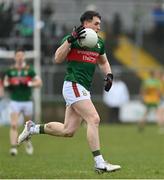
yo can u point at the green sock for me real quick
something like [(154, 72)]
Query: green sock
[(96, 153), (13, 146), (41, 130)]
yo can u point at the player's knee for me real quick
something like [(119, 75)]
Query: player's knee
[(68, 133), (95, 120), (49, 127), (14, 126)]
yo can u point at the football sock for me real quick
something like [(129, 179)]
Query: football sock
[(97, 156), (96, 153), (41, 129), (14, 146)]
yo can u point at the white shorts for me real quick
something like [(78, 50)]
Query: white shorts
[(25, 107), (73, 92)]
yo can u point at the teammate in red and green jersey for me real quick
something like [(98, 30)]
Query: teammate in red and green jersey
[(81, 64), (20, 79)]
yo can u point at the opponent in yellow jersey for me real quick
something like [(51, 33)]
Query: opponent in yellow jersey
[(150, 94), (151, 91)]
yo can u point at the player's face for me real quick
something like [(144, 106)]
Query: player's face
[(19, 57), (93, 24)]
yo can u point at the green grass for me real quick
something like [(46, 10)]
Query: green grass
[(141, 155)]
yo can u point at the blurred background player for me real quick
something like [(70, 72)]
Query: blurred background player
[(160, 111), (1, 95), (20, 79), (1, 89), (81, 64), (150, 93)]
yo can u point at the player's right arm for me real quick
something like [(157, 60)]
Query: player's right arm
[(6, 82), (61, 52)]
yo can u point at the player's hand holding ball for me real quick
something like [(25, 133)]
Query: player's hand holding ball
[(108, 81), (77, 34)]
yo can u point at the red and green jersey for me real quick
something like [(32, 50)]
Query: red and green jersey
[(20, 92), (81, 62)]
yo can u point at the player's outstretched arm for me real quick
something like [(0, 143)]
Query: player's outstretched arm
[(106, 69), (104, 64)]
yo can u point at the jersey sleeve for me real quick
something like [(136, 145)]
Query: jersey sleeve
[(102, 46), (7, 72), (32, 72), (64, 39), (102, 50)]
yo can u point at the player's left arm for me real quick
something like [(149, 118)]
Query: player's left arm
[(104, 65), (106, 69), (35, 82)]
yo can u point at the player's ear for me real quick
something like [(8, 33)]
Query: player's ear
[(84, 23)]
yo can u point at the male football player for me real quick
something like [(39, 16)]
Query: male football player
[(81, 64), (20, 79)]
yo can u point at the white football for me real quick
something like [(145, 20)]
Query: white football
[(90, 39)]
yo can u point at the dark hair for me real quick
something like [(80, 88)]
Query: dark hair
[(88, 15), (19, 49)]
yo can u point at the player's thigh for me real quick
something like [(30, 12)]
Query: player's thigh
[(15, 107), (14, 118), (87, 111), (14, 112), (28, 110), (72, 119)]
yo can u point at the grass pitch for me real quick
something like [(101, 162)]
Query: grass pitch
[(141, 155)]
